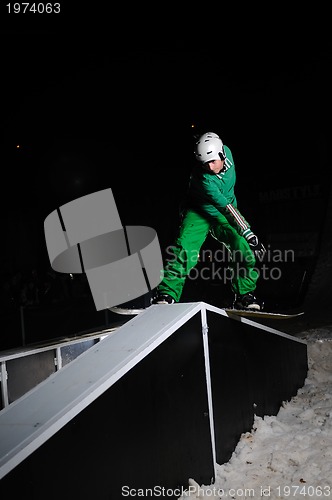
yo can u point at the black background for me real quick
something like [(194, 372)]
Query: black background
[(100, 99)]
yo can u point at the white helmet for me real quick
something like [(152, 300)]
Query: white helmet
[(209, 147)]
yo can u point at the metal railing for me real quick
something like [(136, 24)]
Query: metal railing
[(23, 368)]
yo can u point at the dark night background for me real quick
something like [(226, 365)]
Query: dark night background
[(97, 101)]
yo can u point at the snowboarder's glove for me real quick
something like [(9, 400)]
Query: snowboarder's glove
[(256, 246)]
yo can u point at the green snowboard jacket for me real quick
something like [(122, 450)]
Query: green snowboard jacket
[(213, 194)]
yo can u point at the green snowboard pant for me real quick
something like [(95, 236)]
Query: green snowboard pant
[(184, 254)]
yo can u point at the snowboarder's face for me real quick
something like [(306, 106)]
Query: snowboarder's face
[(214, 166)]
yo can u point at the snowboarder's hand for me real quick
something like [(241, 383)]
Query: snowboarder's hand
[(257, 247)]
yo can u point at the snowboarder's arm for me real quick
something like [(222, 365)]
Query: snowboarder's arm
[(236, 219), (232, 214)]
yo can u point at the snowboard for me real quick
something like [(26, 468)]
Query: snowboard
[(232, 312), (127, 311), (261, 314)]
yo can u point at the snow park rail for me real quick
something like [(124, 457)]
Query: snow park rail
[(162, 399)]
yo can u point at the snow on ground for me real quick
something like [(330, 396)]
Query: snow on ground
[(287, 456)]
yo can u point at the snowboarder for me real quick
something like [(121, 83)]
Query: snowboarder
[(211, 207)]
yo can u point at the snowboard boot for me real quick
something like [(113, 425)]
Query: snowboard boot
[(247, 302), (162, 299)]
